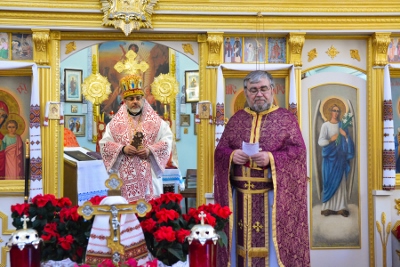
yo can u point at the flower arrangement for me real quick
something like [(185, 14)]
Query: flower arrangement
[(165, 227), (64, 232), (216, 216)]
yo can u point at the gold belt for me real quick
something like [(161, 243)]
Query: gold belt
[(250, 180)]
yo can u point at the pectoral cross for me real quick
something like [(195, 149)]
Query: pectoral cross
[(130, 65)]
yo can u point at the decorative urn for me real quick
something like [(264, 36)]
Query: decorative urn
[(25, 247), (202, 244)]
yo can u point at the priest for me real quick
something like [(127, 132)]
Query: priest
[(260, 172), (137, 144)]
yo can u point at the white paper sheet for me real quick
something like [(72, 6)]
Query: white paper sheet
[(250, 148)]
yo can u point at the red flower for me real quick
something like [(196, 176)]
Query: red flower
[(96, 200), (131, 262), (167, 197), (153, 263), (165, 215), (41, 201), (165, 233), (209, 219), (69, 213), (224, 212), (51, 229), (181, 235), (46, 237), (106, 263), (64, 202), (66, 242), (21, 209), (148, 225)]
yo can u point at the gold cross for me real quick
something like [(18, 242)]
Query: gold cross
[(257, 226), (130, 65), (88, 210), (249, 185), (240, 223)]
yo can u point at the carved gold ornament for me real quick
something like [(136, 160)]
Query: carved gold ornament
[(96, 88), (397, 206), (71, 46), (187, 48), (128, 15), (354, 54), (332, 52), (130, 65), (165, 88), (312, 54), (384, 235)]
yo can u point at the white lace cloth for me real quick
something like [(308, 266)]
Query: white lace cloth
[(63, 263)]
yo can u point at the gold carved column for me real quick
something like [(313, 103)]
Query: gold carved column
[(379, 44), (47, 56), (296, 43), (210, 47)]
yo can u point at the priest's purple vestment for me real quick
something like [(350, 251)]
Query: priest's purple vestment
[(277, 132)]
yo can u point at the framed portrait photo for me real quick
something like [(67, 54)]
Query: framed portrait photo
[(76, 123), (73, 85), (192, 86)]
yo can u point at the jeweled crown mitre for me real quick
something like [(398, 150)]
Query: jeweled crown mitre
[(131, 85)]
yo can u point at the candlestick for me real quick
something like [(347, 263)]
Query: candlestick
[(27, 170)]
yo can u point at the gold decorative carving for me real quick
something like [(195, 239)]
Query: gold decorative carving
[(384, 235), (130, 65), (397, 206), (4, 222), (380, 42), (332, 52), (354, 54), (128, 15), (4, 252), (296, 43), (164, 88), (71, 46), (187, 48), (215, 41), (41, 38), (96, 88), (312, 54)]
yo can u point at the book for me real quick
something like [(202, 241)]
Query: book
[(78, 155)]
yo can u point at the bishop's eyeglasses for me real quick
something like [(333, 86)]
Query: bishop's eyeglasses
[(262, 89)]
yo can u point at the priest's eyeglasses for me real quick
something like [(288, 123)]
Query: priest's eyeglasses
[(262, 89)]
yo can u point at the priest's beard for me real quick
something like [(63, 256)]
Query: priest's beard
[(262, 107), (135, 110)]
